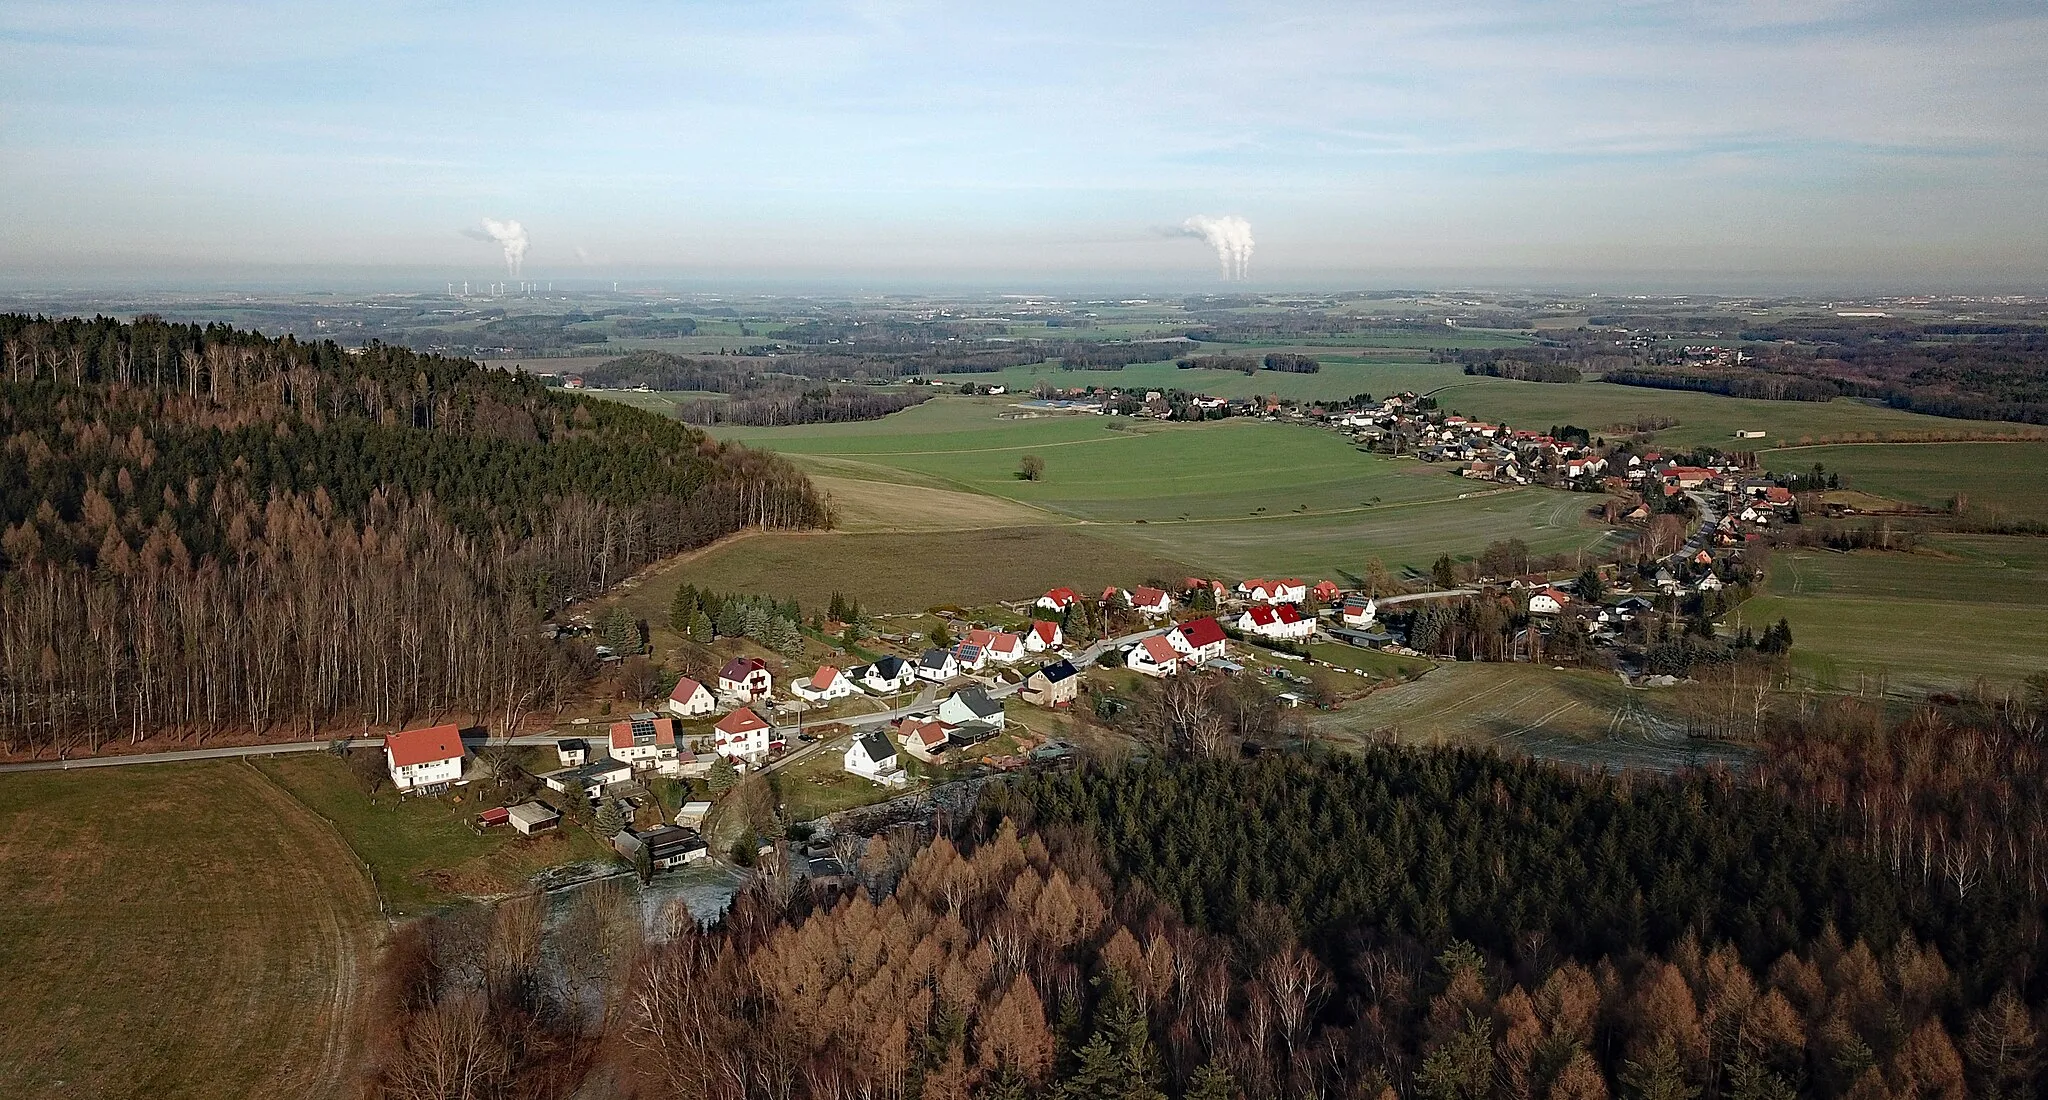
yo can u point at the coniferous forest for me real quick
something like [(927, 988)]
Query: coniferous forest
[(204, 529)]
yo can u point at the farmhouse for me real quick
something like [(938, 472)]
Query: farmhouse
[(823, 686), (668, 846), (1549, 601), (971, 705), (998, 646), (886, 676), (873, 758), (1043, 636), (1055, 685), (1058, 600), (1153, 656), (745, 679), (1200, 640), (690, 699), (424, 761), (1281, 621), (741, 736), (645, 741), (938, 666)]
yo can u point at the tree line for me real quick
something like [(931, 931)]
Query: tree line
[(203, 529)]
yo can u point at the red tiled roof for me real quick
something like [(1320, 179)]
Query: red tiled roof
[(1062, 596), (824, 678), (743, 720), (664, 733), (1288, 614), (1147, 597), (685, 688), (1160, 650), (1047, 632), (1263, 616), (1202, 632), (425, 746)]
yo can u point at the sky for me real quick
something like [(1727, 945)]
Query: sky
[(1864, 142)]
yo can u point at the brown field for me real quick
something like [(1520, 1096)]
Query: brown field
[(176, 931), (904, 571)]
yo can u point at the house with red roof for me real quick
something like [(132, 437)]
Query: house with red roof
[(1280, 621), (1150, 601), (1548, 601), (1058, 600), (745, 679), (1326, 592), (923, 738), (1043, 636), (823, 686), (1154, 656), (1360, 611), (1200, 640), (424, 761), (999, 646), (1217, 589), (645, 741), (690, 699), (741, 736)]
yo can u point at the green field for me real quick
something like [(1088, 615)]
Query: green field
[(2002, 480), (176, 931), (1703, 418), (422, 850), (1963, 608)]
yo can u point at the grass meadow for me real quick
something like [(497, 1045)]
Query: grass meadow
[(176, 931), (2002, 480)]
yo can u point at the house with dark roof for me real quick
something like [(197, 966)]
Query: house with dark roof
[(971, 705), (1055, 685), (424, 761), (886, 676), (745, 679), (873, 757), (667, 846), (938, 665)]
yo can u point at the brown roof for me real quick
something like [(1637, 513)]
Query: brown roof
[(1202, 632), (1160, 650), (664, 733), (685, 688), (743, 720), (425, 746), (739, 668)]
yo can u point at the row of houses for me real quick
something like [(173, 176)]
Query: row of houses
[(968, 717)]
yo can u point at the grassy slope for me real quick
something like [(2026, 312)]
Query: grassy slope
[(1968, 607), (175, 931), (423, 851), (2002, 479)]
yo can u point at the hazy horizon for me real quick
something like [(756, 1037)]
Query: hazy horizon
[(1861, 146)]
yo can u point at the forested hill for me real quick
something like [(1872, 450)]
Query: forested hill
[(209, 488)]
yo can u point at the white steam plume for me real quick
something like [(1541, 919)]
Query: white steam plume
[(511, 236), (1230, 236)]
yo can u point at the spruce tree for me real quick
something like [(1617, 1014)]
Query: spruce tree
[(610, 821)]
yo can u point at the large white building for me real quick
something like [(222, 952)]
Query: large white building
[(424, 761)]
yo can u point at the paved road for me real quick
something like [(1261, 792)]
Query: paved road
[(923, 702), (1446, 593)]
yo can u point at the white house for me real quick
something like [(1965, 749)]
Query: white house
[(1548, 602), (1278, 621), (999, 646), (1709, 583), (872, 757), (938, 666), (572, 751), (924, 738), (1200, 640), (1150, 601), (1058, 600), (645, 741), (823, 686), (971, 705), (1043, 636), (1360, 613), (886, 676), (424, 761), (1154, 656), (690, 699), (745, 679), (741, 736), (969, 657)]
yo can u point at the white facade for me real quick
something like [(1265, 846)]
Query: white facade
[(691, 699), (433, 773)]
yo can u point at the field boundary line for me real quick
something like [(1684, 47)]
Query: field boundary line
[(376, 888)]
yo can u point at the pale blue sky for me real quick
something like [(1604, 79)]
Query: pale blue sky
[(1816, 139)]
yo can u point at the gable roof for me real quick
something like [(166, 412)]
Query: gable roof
[(824, 677), (1062, 596), (977, 701), (739, 668), (1059, 671), (1147, 597), (1160, 650), (935, 658), (425, 746), (642, 730), (743, 720), (876, 746), (1201, 632), (1047, 632), (929, 733), (686, 688), (1262, 615), (889, 668)]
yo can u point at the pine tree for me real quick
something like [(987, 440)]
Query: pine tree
[(610, 821), (1658, 1075), (701, 630), (722, 776), (1212, 1082)]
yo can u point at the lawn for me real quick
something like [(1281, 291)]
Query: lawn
[(819, 786), (1703, 418), (176, 931), (1964, 608), (422, 850), (2001, 480)]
